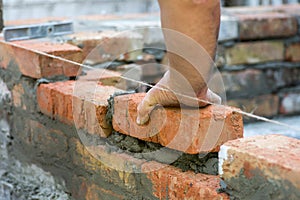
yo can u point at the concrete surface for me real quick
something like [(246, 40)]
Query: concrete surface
[(263, 128)]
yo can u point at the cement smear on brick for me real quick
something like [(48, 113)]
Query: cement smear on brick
[(259, 187), (200, 163)]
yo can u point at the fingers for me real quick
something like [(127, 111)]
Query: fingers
[(144, 109)]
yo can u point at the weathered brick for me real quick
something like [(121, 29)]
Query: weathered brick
[(266, 25), (108, 45), (254, 52), (171, 183), (81, 103), (282, 77), (264, 105), (17, 94), (292, 53), (189, 130), (46, 141), (111, 167), (244, 83), (35, 65), (22, 92), (262, 167), (162, 181)]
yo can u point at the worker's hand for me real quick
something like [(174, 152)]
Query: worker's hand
[(156, 96)]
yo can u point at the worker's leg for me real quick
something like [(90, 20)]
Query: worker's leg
[(199, 21)]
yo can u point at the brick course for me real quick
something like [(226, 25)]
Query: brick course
[(254, 52), (266, 25), (81, 103), (36, 65)]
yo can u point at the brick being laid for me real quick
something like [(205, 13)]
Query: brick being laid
[(191, 131), (261, 167)]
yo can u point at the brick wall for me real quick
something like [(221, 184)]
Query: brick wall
[(260, 64), (70, 128)]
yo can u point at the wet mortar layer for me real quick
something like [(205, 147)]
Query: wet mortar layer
[(199, 163), (259, 187)]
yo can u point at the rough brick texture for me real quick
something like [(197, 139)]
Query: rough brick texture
[(35, 65), (262, 167), (266, 25), (188, 130), (170, 183), (292, 53), (82, 103), (254, 52)]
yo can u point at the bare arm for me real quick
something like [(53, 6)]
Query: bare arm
[(198, 21)]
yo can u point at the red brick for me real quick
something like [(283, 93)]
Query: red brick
[(36, 65), (171, 183), (254, 52), (108, 45), (45, 99), (274, 159), (88, 99), (266, 25), (187, 130), (264, 105), (292, 53)]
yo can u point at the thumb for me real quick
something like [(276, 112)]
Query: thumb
[(144, 109)]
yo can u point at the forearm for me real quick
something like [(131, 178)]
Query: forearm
[(199, 22)]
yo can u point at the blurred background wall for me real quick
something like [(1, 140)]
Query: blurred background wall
[(30, 9)]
